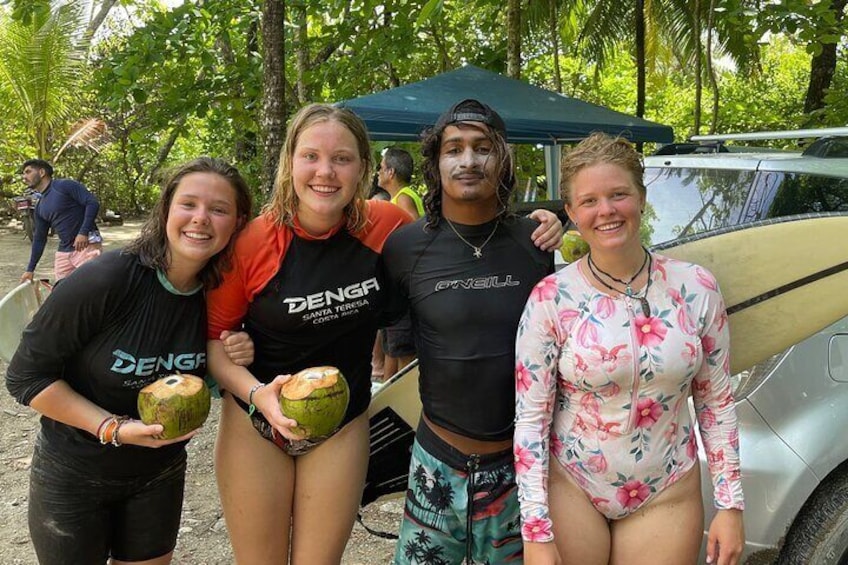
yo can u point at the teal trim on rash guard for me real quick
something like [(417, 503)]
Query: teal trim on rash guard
[(171, 288)]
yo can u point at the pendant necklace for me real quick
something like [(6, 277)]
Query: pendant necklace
[(478, 250), (641, 296)]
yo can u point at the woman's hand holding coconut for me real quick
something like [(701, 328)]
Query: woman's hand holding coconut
[(267, 401), (136, 432)]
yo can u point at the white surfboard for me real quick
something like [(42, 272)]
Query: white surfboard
[(783, 280), (16, 310)]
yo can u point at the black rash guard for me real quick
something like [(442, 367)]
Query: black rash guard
[(465, 313), (108, 330)]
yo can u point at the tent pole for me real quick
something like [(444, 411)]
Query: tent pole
[(553, 153)]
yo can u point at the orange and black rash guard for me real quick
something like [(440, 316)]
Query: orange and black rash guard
[(306, 300), (465, 313)]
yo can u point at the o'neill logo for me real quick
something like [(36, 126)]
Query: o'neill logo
[(477, 283), (329, 297), (126, 364)]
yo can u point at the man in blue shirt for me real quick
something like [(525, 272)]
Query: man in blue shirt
[(70, 209)]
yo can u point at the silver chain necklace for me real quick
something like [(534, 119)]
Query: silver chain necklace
[(478, 251)]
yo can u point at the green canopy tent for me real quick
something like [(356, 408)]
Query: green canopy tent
[(532, 114)]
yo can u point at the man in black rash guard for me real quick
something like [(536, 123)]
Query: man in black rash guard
[(465, 271)]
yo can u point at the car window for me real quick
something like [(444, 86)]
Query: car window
[(685, 201), (804, 193)]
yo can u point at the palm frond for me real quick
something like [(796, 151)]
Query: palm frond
[(89, 133), (41, 62)]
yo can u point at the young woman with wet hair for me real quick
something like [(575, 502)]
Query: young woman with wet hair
[(103, 485)]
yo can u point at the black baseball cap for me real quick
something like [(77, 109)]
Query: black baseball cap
[(470, 110)]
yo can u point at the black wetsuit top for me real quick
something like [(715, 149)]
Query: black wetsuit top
[(465, 312), (108, 330)]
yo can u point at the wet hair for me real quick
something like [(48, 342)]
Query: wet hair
[(282, 207), (151, 245), (38, 164), (400, 162), (431, 144), (600, 148)]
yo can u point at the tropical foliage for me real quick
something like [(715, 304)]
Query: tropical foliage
[(126, 88)]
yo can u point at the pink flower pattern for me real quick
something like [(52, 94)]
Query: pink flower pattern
[(619, 380), (632, 494), (524, 458), (545, 289), (523, 378), (706, 279), (648, 412), (597, 463), (536, 529), (649, 331), (606, 307)]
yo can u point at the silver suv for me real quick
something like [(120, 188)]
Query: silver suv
[(793, 408)]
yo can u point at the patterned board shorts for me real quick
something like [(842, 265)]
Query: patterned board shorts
[(438, 526)]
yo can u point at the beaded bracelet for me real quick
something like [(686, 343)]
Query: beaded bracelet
[(252, 407), (105, 434), (97, 434), (121, 421), (108, 434)]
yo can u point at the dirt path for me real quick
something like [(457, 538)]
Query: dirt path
[(203, 538)]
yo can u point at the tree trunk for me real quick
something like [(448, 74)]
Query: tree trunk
[(513, 41), (86, 167), (165, 150), (553, 22), (699, 86), (301, 53), (273, 120), (394, 79), (710, 68), (244, 145), (444, 56), (823, 66), (640, 58), (98, 18)]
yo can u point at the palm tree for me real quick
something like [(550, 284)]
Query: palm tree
[(645, 24), (41, 63), (657, 30)]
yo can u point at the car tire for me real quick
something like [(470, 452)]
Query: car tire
[(819, 535)]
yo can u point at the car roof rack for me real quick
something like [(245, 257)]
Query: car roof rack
[(765, 135), (689, 148)]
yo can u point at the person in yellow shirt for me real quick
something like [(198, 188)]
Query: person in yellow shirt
[(395, 175)]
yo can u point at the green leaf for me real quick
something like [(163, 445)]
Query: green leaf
[(139, 95), (430, 9)]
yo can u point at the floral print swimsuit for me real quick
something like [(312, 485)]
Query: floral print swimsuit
[(603, 386)]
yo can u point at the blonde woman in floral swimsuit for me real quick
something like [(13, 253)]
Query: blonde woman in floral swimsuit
[(608, 350)]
